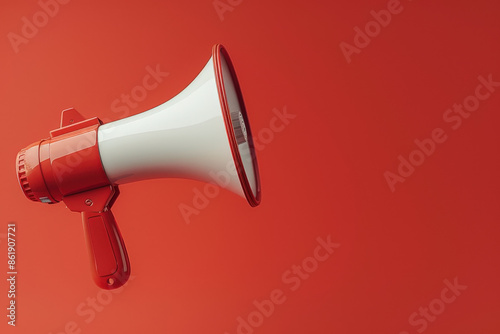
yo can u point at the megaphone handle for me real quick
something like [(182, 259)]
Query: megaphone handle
[(108, 255)]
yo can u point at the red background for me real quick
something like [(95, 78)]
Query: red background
[(322, 175)]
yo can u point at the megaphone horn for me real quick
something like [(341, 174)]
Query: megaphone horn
[(194, 135)]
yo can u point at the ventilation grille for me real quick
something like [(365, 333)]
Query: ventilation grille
[(23, 178)]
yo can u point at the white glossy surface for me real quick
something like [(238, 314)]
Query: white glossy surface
[(184, 137)]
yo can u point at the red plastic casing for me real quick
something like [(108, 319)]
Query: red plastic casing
[(67, 167)]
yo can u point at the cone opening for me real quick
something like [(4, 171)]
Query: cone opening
[(237, 125)]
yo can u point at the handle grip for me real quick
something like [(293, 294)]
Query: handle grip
[(108, 256)]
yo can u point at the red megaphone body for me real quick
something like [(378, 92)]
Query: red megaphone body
[(203, 133), (67, 167)]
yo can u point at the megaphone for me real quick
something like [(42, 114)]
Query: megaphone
[(199, 133)]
